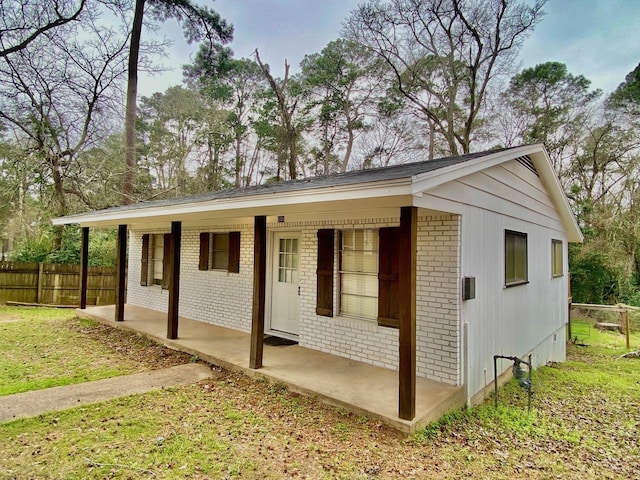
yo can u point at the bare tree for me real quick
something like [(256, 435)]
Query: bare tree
[(23, 21), (287, 105), (59, 97), (445, 54)]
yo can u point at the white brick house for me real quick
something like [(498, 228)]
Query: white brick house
[(335, 279)]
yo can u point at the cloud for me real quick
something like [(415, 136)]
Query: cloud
[(593, 38)]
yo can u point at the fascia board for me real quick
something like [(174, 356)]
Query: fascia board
[(425, 181), (384, 188)]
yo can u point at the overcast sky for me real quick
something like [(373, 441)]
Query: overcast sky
[(599, 39)]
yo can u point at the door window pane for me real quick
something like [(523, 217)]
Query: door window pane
[(288, 260)]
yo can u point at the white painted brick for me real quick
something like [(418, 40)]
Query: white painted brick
[(224, 299)]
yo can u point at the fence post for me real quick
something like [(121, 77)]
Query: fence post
[(84, 267), (626, 320), (40, 285)]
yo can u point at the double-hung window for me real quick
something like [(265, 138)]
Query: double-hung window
[(368, 274), (155, 259), (359, 273), (157, 256), (515, 258)]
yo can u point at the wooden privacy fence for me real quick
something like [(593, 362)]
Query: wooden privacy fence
[(54, 284)]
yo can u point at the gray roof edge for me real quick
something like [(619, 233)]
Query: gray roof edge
[(354, 177)]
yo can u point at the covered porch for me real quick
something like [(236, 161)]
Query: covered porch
[(357, 386)]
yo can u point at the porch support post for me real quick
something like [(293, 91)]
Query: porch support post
[(84, 266), (174, 280), (121, 271), (259, 280), (407, 334)]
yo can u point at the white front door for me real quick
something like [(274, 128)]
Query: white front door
[(285, 278)]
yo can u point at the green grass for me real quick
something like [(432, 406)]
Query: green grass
[(35, 313), (584, 425), (39, 350), (612, 342)]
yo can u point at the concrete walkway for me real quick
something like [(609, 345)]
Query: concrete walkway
[(30, 404)]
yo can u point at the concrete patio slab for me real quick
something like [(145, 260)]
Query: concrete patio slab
[(357, 386)]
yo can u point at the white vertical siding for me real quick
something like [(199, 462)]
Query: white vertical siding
[(521, 319)]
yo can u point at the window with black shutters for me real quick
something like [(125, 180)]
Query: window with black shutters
[(220, 251)]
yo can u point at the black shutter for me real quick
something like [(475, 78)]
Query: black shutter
[(389, 277), (144, 264), (203, 264), (324, 272), (234, 252)]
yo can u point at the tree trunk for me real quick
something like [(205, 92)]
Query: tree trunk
[(347, 153), (130, 112), (290, 134), (60, 200), (292, 140), (239, 161)]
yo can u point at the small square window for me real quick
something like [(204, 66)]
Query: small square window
[(557, 264), (515, 258)]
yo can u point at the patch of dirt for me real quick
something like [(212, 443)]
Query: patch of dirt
[(8, 319), (131, 345)]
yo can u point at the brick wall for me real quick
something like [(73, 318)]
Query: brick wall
[(438, 299), (353, 338), (149, 297), (224, 298), (211, 296)]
